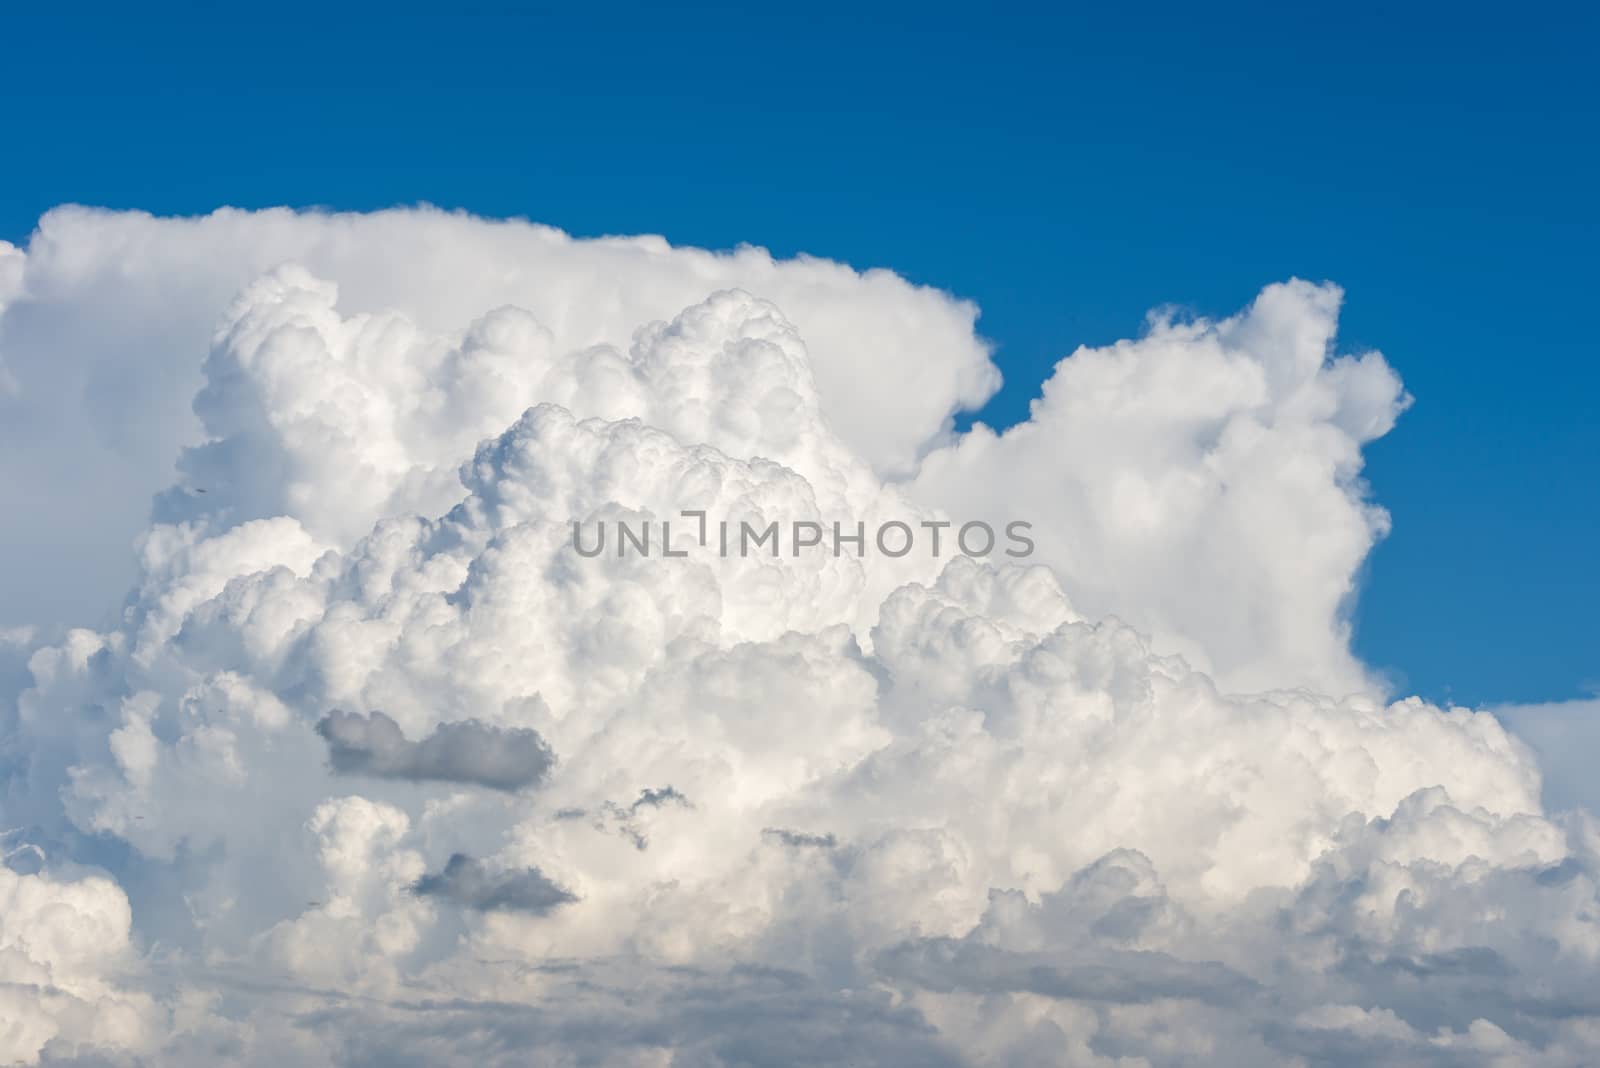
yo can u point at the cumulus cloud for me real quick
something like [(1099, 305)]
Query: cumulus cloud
[(103, 314), (1202, 482), (1129, 802), (63, 944), (468, 751)]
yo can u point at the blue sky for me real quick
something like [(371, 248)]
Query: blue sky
[(1067, 171)]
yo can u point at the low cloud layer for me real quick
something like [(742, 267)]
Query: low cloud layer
[(465, 752), (1130, 802)]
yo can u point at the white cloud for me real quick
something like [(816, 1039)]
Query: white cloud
[(778, 810), (61, 946), (103, 319), (1202, 482)]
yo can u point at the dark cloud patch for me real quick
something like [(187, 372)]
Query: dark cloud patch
[(1452, 989), (799, 839), (656, 798), (467, 882), (622, 818), (501, 758)]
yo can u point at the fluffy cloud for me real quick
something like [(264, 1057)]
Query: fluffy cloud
[(103, 316), (62, 944), (1202, 482), (384, 768)]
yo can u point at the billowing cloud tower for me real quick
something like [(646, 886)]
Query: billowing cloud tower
[(365, 762)]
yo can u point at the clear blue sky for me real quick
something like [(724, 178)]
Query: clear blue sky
[(1066, 170)]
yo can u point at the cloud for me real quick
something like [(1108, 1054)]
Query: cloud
[(800, 839), (649, 798), (1132, 801), (1565, 734), (466, 882), (1203, 483), (103, 315), (63, 945), (1132, 978), (467, 751)]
